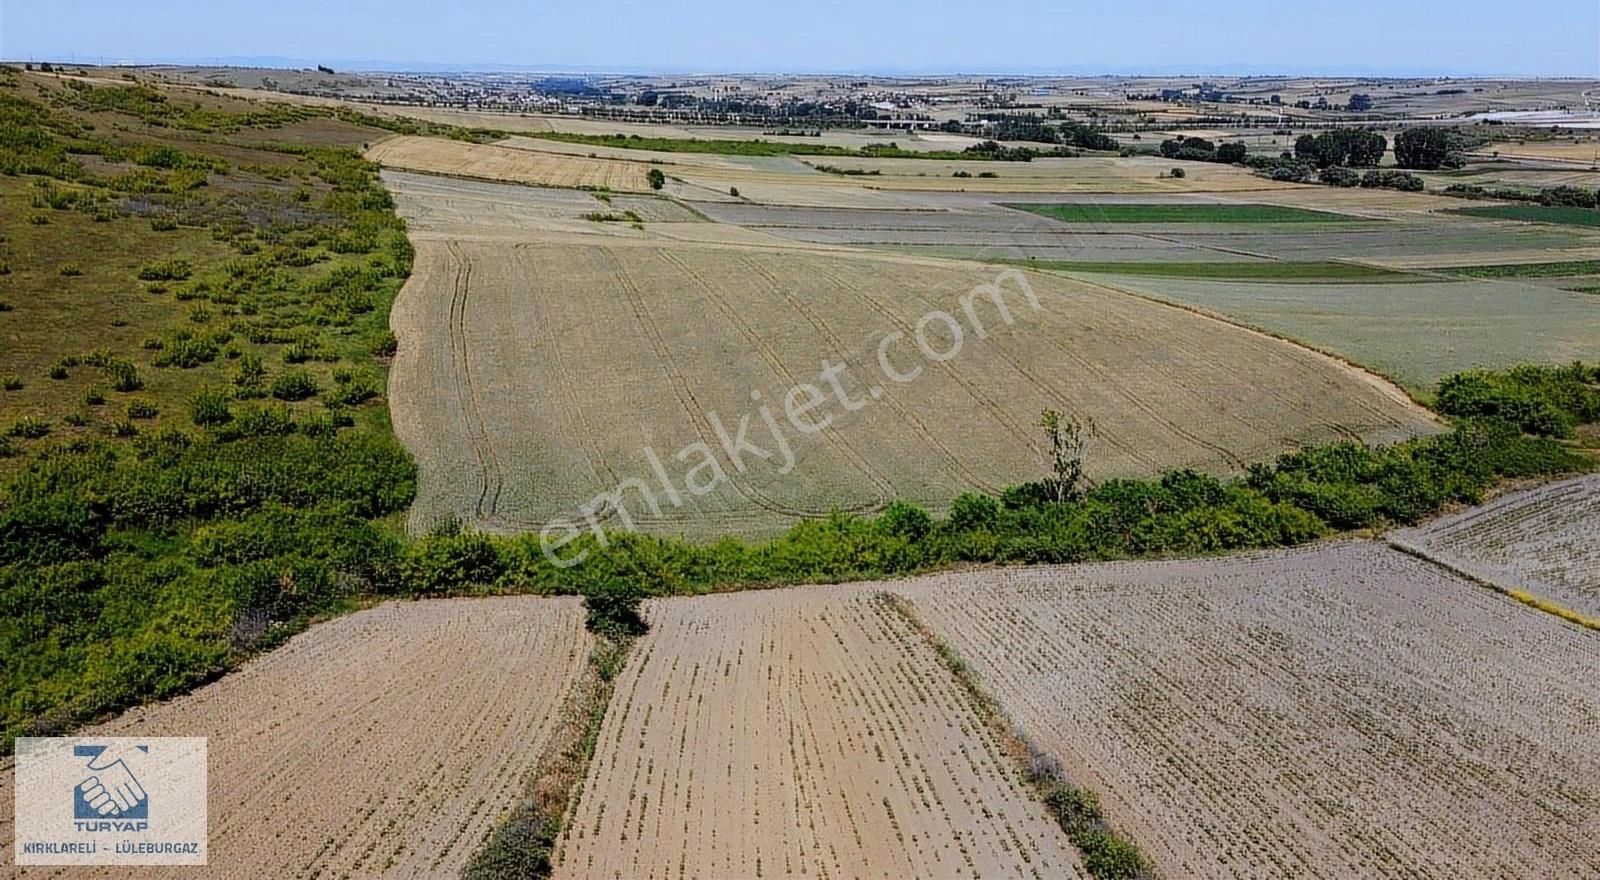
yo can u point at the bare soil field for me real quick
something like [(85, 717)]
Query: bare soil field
[(796, 733), (670, 340), (387, 742), (1341, 711), (1543, 541), (490, 162), (1414, 333)]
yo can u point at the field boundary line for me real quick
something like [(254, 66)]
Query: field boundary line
[(1523, 597), (1090, 836), (527, 841)]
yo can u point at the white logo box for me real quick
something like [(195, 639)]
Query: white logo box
[(110, 800)]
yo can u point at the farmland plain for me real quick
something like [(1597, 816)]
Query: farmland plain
[(1540, 541), (495, 325), (1341, 711), (800, 733), (387, 742)]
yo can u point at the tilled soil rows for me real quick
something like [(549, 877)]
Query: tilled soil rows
[(387, 742)]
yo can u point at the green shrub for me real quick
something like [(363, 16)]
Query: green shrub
[(449, 560), (28, 428), (1543, 401), (11, 382), (94, 397), (209, 408), (58, 372), (140, 408), (384, 344), (166, 270), (69, 270), (294, 385), (612, 608), (124, 375)]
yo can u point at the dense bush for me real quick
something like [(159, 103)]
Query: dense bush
[(294, 385), (1543, 401)]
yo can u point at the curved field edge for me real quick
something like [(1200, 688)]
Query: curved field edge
[(502, 449)]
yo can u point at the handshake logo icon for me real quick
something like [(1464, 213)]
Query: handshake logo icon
[(109, 789)]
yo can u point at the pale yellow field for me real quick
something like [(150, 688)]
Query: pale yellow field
[(1584, 151), (534, 375), (487, 161), (800, 733)]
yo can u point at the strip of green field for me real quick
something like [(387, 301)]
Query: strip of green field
[(1526, 270), (1150, 212), (1558, 214), (1267, 270)]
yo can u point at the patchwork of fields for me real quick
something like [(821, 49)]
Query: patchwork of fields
[(678, 344)]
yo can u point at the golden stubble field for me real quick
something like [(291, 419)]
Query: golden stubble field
[(800, 733), (440, 156), (385, 743), (536, 373)]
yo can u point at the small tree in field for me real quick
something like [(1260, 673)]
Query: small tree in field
[(612, 608), (1067, 437), (656, 178)]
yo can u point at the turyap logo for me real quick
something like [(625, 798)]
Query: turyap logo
[(110, 800), (111, 790)]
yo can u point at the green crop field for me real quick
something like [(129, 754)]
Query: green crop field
[(1557, 214), (1415, 333), (1095, 212)]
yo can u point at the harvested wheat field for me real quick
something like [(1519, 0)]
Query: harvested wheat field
[(535, 377), (1341, 711), (800, 733), (387, 742), (440, 156), (1543, 541)]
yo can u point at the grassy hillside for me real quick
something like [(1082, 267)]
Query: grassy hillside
[(193, 446)]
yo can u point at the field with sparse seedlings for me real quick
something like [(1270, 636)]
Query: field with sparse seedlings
[(800, 733), (1544, 542), (1341, 711)]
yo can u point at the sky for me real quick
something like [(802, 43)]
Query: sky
[(1397, 37)]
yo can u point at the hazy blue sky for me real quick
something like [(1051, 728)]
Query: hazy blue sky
[(1535, 37)]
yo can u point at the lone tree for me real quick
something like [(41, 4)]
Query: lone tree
[(1067, 437), (656, 178)]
